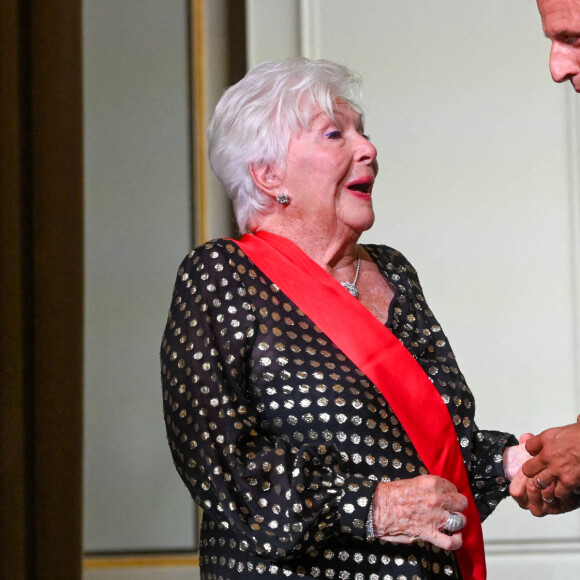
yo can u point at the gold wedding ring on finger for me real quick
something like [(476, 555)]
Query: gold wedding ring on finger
[(454, 523)]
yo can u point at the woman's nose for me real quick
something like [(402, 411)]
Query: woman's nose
[(366, 150)]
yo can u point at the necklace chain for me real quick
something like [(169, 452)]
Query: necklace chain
[(351, 286)]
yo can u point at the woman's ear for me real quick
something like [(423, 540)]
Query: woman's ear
[(266, 178)]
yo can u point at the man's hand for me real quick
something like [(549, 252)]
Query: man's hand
[(555, 467), (529, 496)]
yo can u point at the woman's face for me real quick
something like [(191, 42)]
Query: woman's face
[(330, 172)]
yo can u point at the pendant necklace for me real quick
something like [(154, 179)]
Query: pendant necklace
[(351, 286)]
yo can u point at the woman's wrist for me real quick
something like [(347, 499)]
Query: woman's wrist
[(378, 502), (513, 459)]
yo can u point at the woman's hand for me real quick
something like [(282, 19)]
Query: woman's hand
[(515, 456), (417, 509), (522, 489)]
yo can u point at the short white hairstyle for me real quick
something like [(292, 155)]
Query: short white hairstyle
[(254, 120)]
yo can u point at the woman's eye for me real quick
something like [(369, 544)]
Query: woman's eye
[(367, 137), (334, 135)]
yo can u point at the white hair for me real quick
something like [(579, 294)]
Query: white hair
[(255, 118)]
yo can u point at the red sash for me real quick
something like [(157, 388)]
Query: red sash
[(385, 361)]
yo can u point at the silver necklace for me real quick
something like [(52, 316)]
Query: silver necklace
[(351, 286)]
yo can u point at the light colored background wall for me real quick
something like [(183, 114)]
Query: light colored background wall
[(138, 191)]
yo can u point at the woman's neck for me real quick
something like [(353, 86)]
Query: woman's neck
[(333, 250)]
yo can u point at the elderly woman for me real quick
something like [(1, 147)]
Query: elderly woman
[(313, 404)]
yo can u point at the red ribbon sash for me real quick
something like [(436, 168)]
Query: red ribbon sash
[(385, 361)]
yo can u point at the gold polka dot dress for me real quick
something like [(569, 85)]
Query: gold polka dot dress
[(281, 440)]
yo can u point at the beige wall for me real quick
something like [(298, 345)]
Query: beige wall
[(138, 228)]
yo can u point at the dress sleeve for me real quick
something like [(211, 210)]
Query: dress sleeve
[(278, 499), (488, 482)]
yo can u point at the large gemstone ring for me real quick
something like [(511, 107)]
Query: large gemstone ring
[(454, 523)]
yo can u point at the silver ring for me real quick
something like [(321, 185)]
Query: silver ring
[(553, 500), (454, 523), (542, 486)]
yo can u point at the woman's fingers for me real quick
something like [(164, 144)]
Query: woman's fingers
[(452, 542), (443, 541), (441, 537), (442, 493), (454, 502), (419, 508), (518, 490)]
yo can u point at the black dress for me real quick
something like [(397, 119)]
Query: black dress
[(281, 439)]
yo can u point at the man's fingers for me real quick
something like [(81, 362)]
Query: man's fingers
[(534, 445), (543, 480), (536, 502), (533, 466)]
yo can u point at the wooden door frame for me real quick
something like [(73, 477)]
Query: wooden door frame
[(41, 304)]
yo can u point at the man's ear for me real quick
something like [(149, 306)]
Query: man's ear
[(266, 178)]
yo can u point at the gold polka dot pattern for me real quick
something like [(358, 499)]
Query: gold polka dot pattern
[(281, 439)]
